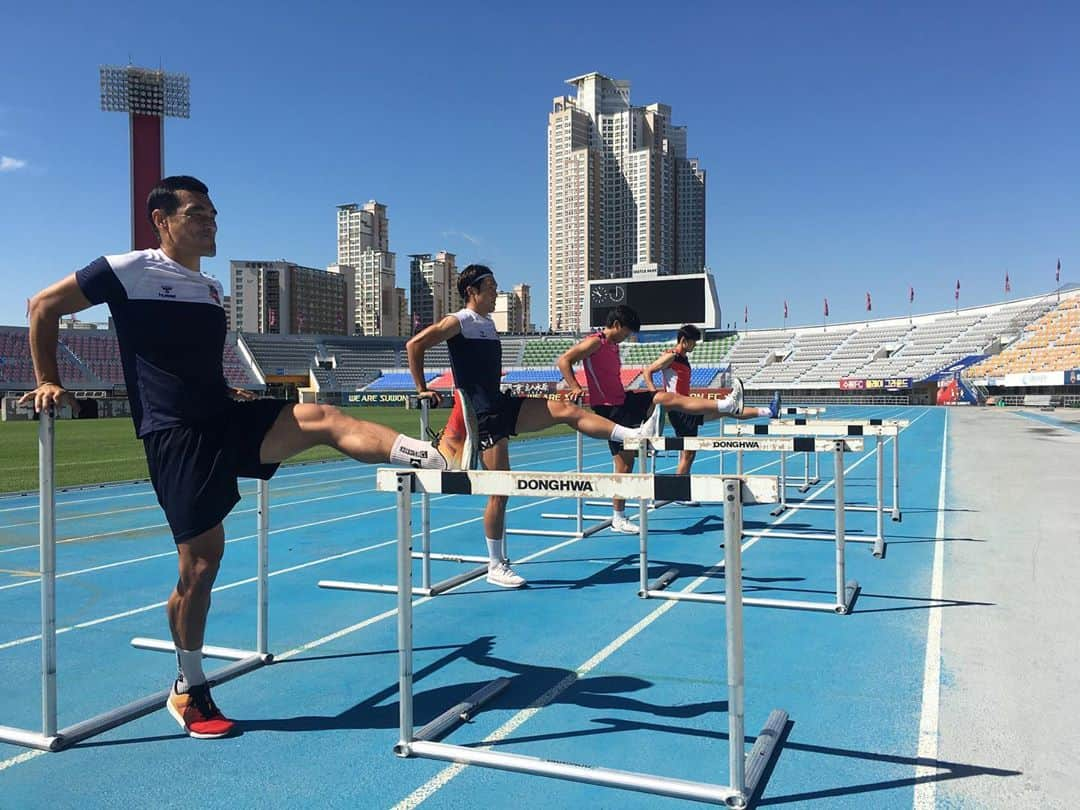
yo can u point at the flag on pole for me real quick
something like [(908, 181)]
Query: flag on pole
[(746, 314), (911, 295), (1008, 286), (958, 289), (1057, 277), (785, 310), (869, 306), (416, 322), (272, 318), (826, 307)]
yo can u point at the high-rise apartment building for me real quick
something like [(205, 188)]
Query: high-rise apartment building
[(511, 313), (284, 298), (622, 195), (360, 229), (433, 287)]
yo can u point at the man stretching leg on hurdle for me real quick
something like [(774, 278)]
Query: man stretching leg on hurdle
[(686, 413), (476, 360), (198, 433), (599, 355)]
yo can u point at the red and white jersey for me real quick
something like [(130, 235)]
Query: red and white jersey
[(677, 374)]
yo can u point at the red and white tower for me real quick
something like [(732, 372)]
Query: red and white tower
[(148, 96)]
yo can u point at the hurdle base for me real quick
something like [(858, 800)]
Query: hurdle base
[(753, 601), (769, 534), (763, 750), (779, 510), (606, 777), (808, 485), (851, 593), (458, 558), (143, 706), (438, 588), (463, 711), (660, 583), (897, 517), (208, 650), (31, 739)]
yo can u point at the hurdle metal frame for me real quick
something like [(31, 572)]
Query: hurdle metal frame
[(807, 481), (837, 430), (846, 590), (50, 738), (745, 770), (425, 555), (900, 424)]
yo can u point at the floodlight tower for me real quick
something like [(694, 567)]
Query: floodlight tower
[(149, 96)]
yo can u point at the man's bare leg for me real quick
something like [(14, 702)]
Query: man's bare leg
[(537, 414), (497, 457)]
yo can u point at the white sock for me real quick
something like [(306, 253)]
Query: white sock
[(496, 551), (726, 405), (619, 433), (189, 663), (410, 452), (618, 514), (763, 411)]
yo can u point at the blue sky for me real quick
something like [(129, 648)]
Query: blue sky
[(850, 147)]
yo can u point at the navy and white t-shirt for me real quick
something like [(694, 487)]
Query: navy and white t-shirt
[(170, 324), (476, 360)]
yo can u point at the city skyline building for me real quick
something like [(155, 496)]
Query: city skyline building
[(512, 309), (432, 287), (284, 298), (623, 197), (361, 228)]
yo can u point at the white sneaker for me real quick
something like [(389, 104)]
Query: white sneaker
[(623, 526), (651, 426), (736, 394), (503, 576)]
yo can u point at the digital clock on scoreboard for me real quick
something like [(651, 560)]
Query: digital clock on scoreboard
[(664, 301)]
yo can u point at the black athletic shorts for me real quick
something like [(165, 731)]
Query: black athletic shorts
[(501, 422), (685, 424), (194, 467), (630, 414)]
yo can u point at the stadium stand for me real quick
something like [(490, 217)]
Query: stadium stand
[(700, 377), (532, 375), (544, 351), (98, 351), (1049, 343), (282, 354), (17, 367), (398, 381)]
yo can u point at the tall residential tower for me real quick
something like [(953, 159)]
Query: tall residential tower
[(623, 197)]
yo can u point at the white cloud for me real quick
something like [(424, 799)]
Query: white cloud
[(462, 235), (10, 164)]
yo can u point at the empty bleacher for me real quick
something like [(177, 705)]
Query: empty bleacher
[(282, 355), (544, 351), (532, 375), (1049, 343), (398, 381)]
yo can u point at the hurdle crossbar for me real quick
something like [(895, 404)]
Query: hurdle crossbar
[(733, 491), (425, 555), (846, 591)]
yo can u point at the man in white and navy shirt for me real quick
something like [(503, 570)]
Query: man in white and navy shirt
[(198, 437)]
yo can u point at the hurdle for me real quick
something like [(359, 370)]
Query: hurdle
[(807, 481), (850, 429), (425, 555), (745, 770), (846, 590), (50, 738)]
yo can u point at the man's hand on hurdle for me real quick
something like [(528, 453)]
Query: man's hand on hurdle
[(575, 394), (242, 394), (50, 395), (433, 397)]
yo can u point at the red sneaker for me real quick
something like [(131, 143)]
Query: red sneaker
[(197, 713)]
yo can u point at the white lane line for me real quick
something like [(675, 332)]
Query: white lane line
[(925, 785), (275, 490)]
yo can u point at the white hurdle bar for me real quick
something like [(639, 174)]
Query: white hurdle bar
[(578, 515), (745, 771), (425, 555), (837, 430), (807, 481), (50, 738), (847, 427), (846, 591)]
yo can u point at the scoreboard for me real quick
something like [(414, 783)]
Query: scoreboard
[(662, 302)]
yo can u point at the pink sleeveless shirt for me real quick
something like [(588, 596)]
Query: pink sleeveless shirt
[(602, 369)]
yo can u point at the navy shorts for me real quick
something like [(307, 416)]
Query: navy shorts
[(500, 423), (194, 467), (685, 424), (630, 414)]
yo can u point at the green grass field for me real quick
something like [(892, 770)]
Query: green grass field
[(97, 451)]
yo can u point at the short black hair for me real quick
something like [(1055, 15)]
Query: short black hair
[(471, 277), (624, 315), (163, 195), (689, 332)]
